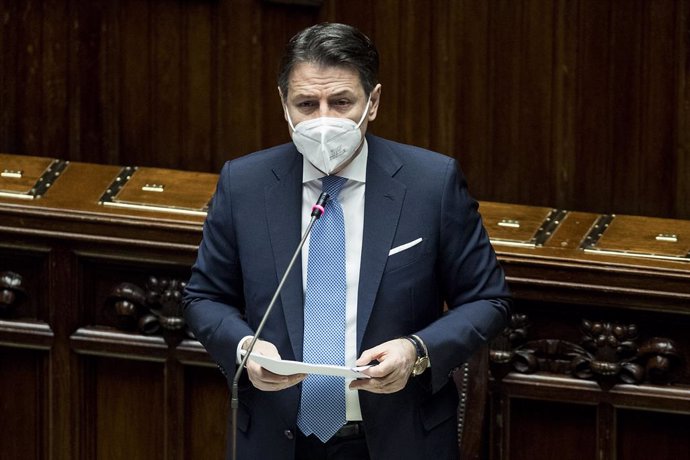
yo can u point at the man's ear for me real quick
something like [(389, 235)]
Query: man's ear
[(374, 105)]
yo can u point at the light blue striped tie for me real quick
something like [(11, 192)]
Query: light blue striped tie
[(322, 407)]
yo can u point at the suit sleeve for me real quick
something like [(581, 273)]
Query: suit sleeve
[(472, 282), (213, 301)]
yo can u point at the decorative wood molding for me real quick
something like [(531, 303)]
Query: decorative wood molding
[(608, 353), (155, 309), (12, 292), (26, 334), (106, 342)]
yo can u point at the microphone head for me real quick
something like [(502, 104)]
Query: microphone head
[(318, 208)]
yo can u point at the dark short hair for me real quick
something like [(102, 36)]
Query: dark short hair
[(331, 45)]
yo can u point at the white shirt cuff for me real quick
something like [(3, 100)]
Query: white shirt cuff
[(238, 353)]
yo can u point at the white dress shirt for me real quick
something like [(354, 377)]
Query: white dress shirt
[(351, 199)]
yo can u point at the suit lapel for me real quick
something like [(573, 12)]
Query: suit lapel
[(383, 202), (284, 205)]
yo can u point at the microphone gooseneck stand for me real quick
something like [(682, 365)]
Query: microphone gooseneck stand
[(316, 212)]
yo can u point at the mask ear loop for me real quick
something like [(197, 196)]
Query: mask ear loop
[(366, 111), (287, 114)]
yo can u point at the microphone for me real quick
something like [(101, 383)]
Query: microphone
[(316, 211), (318, 208)]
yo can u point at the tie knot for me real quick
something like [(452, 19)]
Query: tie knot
[(332, 185)]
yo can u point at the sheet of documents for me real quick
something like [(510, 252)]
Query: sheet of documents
[(286, 367)]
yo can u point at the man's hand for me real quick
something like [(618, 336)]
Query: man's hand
[(266, 380), (396, 359)]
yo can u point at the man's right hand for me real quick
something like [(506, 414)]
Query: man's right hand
[(266, 380)]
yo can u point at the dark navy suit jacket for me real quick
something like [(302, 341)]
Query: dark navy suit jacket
[(252, 230)]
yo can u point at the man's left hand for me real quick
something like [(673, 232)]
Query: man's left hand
[(396, 359)]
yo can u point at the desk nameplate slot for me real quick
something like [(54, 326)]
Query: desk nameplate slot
[(28, 178), (12, 173), (520, 226), (641, 237), (160, 190)]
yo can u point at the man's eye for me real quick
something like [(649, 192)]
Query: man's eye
[(306, 104), (342, 102)]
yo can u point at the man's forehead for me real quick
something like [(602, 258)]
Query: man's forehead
[(307, 77)]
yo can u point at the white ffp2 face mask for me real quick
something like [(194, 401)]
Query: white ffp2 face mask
[(327, 142)]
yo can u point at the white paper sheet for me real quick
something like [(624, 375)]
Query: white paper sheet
[(286, 367)]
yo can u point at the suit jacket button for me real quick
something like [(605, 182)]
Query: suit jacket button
[(288, 434)]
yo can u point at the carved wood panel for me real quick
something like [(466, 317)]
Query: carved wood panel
[(579, 381)]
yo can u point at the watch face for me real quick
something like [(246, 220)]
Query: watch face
[(420, 366)]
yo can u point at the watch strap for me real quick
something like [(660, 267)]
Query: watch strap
[(422, 362), (418, 345)]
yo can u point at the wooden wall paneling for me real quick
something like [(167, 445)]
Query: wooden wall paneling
[(657, 181), (205, 419), (626, 102), (463, 98), (42, 322), (141, 341), (89, 87), (24, 426), (174, 416), (65, 315), (606, 432), (595, 107), (578, 104), (30, 74), (219, 48), (645, 434), (564, 99), (238, 81), (101, 272), (499, 434), (136, 83), (414, 81), (8, 77), (358, 13), (507, 34), (129, 409), (682, 104), (544, 429), (73, 91), (444, 36), (384, 32), (148, 388), (593, 152), (25, 341), (535, 102), (111, 74), (550, 327), (197, 123), (31, 263), (55, 123), (167, 101)]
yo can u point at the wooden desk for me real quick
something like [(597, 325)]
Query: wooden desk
[(96, 362)]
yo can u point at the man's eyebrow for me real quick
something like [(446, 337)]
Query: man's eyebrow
[(345, 92), (309, 95), (302, 94)]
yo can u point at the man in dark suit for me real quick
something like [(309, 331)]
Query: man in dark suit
[(419, 290)]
